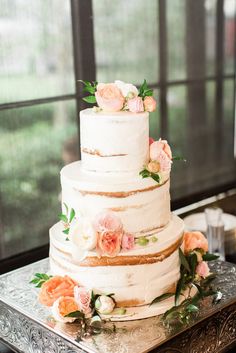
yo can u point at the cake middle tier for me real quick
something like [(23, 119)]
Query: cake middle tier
[(142, 205)]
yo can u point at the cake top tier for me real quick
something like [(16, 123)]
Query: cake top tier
[(114, 141)]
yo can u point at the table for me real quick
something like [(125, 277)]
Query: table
[(25, 327)]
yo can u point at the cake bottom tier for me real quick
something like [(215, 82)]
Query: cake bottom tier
[(132, 285), (136, 277)]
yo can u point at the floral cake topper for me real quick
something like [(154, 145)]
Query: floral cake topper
[(119, 96)]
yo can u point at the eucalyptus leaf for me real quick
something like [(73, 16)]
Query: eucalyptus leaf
[(184, 261), (210, 257), (90, 99), (193, 263), (161, 298)]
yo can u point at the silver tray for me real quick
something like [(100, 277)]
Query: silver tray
[(25, 325)]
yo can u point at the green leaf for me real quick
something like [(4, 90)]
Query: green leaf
[(155, 177), (76, 314), (143, 88), (179, 287), (145, 173), (210, 257), (191, 308), (148, 92), (39, 279), (161, 298), (184, 261), (193, 263), (63, 218), (89, 89), (66, 207), (67, 239), (72, 215), (66, 231), (178, 158), (206, 281), (90, 99)]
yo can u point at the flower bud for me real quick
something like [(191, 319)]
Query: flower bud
[(104, 304)]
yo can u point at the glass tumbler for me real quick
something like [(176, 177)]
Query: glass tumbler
[(215, 231)]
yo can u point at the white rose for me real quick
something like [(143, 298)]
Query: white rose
[(83, 238), (127, 89), (56, 313), (104, 304)]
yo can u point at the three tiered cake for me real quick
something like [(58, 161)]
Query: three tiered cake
[(117, 234)]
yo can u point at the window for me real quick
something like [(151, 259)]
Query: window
[(186, 51), (184, 48)]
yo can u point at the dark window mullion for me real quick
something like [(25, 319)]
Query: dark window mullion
[(219, 70), (31, 102), (163, 61)]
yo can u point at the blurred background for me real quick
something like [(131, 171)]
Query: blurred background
[(184, 48)]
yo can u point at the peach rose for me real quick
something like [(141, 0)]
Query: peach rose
[(160, 146), (135, 105), (202, 269), (194, 240), (109, 97), (62, 307), (127, 241), (109, 243), (149, 104), (153, 167), (83, 299), (107, 221), (56, 287)]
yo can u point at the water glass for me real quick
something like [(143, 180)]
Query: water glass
[(215, 231)]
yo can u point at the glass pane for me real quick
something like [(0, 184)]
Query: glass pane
[(191, 38), (34, 142), (176, 39), (35, 49), (193, 134), (229, 32), (126, 42)]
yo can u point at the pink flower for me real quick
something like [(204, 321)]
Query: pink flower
[(107, 221), (150, 104), (83, 299), (202, 269), (109, 243), (160, 151), (158, 146), (127, 241), (194, 240), (109, 97), (151, 140), (135, 105)]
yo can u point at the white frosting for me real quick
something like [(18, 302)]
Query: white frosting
[(137, 282), (114, 142), (140, 212)]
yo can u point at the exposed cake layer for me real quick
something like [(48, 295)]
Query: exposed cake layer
[(114, 142), (136, 276), (142, 205)]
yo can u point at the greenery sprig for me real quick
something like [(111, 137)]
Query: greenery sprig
[(67, 218), (90, 87), (185, 311), (144, 91), (146, 174), (178, 158), (40, 279)]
